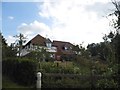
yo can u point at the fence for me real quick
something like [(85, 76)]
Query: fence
[(51, 80)]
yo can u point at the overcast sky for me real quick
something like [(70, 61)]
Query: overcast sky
[(75, 21)]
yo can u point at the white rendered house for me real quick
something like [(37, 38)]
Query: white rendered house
[(38, 42)]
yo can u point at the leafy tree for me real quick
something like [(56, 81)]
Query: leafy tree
[(40, 54), (110, 47), (114, 47), (76, 49), (21, 39), (116, 24), (100, 50), (6, 50), (92, 49), (84, 52)]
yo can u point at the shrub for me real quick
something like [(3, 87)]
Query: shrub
[(106, 83), (51, 81), (50, 67), (23, 71)]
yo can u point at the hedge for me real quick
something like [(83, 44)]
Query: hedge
[(23, 71)]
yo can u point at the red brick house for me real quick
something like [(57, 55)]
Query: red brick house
[(63, 49)]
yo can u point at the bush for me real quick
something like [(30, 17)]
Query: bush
[(63, 67), (23, 71), (106, 83), (51, 81)]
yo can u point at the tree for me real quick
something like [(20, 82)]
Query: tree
[(92, 49), (101, 50), (6, 50), (40, 54), (110, 47), (21, 39), (116, 24), (76, 49)]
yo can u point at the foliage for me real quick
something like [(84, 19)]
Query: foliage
[(80, 51), (62, 67), (112, 41), (6, 50), (20, 40), (22, 71), (116, 22), (68, 57), (116, 25), (81, 61), (76, 48), (7, 84), (51, 81), (116, 45), (100, 50), (106, 83), (40, 54)]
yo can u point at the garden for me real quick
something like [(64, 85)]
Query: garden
[(80, 73)]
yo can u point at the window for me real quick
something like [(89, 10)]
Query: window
[(66, 48), (48, 45), (63, 48)]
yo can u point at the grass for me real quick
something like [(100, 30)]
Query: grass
[(7, 84)]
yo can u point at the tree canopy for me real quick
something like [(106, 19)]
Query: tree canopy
[(6, 50)]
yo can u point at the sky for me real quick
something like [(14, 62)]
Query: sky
[(75, 21)]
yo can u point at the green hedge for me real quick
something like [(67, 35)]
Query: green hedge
[(23, 71), (51, 81), (63, 67)]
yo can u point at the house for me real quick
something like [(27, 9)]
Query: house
[(38, 42), (64, 50), (59, 50)]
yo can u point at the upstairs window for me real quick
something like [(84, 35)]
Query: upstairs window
[(65, 48), (48, 45)]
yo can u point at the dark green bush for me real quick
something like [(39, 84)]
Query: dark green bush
[(23, 71), (106, 83), (51, 81)]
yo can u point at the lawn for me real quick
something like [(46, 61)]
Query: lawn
[(8, 84)]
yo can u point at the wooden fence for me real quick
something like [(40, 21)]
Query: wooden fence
[(74, 80)]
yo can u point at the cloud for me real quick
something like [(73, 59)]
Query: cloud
[(34, 28), (30, 30), (10, 39), (10, 17), (77, 21), (102, 9)]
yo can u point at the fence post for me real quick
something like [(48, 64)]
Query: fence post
[(39, 79)]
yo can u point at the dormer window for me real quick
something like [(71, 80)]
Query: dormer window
[(48, 45)]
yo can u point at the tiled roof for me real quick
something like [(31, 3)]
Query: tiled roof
[(61, 47), (37, 40), (48, 40), (62, 43)]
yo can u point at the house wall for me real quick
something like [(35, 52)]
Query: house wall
[(27, 49)]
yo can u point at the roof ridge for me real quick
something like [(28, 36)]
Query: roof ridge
[(60, 41)]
